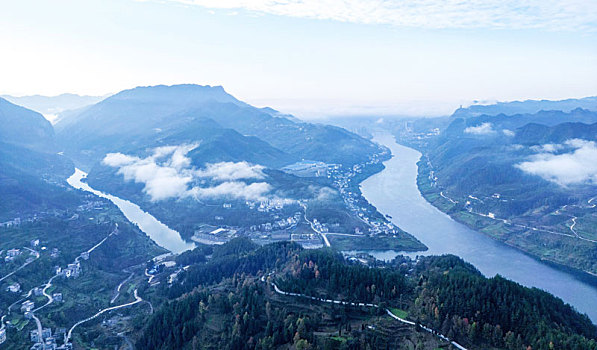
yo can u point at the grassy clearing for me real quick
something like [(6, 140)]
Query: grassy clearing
[(399, 312), (406, 243)]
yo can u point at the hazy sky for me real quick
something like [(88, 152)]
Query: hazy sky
[(309, 57)]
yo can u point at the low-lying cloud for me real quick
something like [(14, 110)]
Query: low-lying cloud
[(508, 133), (235, 189), (499, 14), (232, 171), (167, 174), (577, 164), (483, 129)]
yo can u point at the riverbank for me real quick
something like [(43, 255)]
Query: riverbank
[(501, 230), (394, 191), (161, 234)]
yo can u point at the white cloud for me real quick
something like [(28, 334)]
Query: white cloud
[(547, 148), (578, 166), (235, 189), (508, 133), (483, 129), (167, 173), (577, 15), (232, 171)]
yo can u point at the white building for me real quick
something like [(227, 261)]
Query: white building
[(14, 288)]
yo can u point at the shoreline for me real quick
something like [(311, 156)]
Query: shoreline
[(582, 275)]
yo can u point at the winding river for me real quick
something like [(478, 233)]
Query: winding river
[(394, 191), (157, 231)]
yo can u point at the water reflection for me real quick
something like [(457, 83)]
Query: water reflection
[(157, 231), (394, 191)]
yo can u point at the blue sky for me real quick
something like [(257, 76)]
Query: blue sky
[(311, 58)]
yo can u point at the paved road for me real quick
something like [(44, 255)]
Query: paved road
[(117, 291), (22, 266), (323, 235), (138, 299), (341, 302)]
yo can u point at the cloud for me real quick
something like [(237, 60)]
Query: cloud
[(547, 148), (167, 173), (483, 129), (577, 166), (232, 171), (508, 133), (571, 15), (238, 190)]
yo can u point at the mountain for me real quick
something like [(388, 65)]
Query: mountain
[(24, 127), (195, 157), (52, 106), (549, 118), (525, 179), (31, 173), (279, 296), (526, 107), (538, 134), (137, 116)]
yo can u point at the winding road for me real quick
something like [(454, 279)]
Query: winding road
[(138, 299), (22, 266), (341, 302), (323, 235)]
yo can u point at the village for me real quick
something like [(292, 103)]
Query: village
[(42, 338), (285, 225)]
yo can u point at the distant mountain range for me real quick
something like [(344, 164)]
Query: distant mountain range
[(159, 115), (52, 106), (526, 107), (535, 170), (30, 168), (181, 152)]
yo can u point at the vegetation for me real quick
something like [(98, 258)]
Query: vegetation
[(231, 307), (475, 179)]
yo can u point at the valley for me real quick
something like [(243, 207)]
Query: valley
[(193, 209)]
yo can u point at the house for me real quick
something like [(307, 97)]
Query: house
[(13, 252), (85, 255), (34, 243), (14, 288), (72, 270), (60, 332), (57, 297), (2, 335), (217, 231), (27, 306), (46, 333), (37, 291), (227, 205), (50, 343)]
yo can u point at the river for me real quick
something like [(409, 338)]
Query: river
[(157, 231), (394, 191)]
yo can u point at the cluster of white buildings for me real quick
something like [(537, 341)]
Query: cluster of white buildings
[(14, 288), (12, 254), (268, 205), (71, 271), (27, 306), (342, 178), (278, 224), (11, 223)]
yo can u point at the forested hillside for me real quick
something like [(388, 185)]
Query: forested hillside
[(227, 303)]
